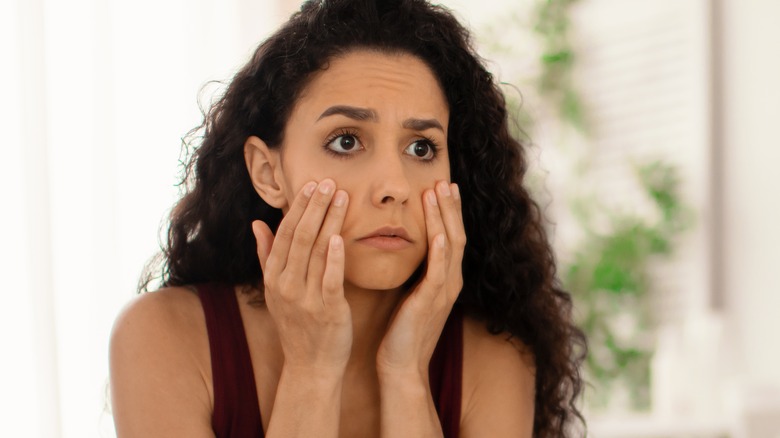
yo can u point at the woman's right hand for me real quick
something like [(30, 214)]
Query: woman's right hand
[(303, 272)]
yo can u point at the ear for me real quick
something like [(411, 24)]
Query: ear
[(265, 170)]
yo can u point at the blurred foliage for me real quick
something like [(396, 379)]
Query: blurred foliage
[(609, 271), (609, 279), (555, 82)]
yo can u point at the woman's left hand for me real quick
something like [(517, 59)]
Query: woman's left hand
[(417, 324)]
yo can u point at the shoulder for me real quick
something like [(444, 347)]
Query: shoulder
[(172, 302), (499, 383), (483, 348), (171, 317), (160, 365)]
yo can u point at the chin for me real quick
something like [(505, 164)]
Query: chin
[(375, 285), (381, 277)]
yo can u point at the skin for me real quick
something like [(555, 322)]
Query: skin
[(337, 326)]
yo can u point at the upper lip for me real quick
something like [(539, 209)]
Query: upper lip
[(389, 232)]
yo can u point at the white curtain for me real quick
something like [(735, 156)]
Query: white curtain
[(96, 96)]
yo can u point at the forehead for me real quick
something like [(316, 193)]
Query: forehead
[(394, 84)]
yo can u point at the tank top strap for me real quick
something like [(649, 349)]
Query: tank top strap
[(236, 407), (445, 372)]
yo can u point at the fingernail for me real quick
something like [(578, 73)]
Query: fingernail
[(444, 189), (335, 242), (455, 191), (431, 198), (340, 199), (439, 241), (326, 187), (308, 189)]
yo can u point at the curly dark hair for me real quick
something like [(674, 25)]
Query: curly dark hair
[(509, 269)]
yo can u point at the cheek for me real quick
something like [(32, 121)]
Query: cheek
[(427, 177), (442, 166), (344, 179), (347, 181), (356, 182), (437, 170)]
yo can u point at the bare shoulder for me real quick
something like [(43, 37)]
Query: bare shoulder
[(485, 349), (498, 383), (160, 367), (171, 319), (173, 308)]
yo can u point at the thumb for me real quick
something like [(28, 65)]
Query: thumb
[(265, 239)]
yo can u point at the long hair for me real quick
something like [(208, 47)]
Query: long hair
[(509, 270)]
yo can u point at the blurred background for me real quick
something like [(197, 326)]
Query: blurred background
[(650, 125)]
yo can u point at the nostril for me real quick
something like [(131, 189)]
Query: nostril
[(387, 199)]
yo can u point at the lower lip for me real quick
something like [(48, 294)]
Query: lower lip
[(386, 242)]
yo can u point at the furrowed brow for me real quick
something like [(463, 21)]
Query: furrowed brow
[(422, 124), (352, 112)]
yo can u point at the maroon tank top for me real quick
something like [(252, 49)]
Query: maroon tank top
[(236, 408)]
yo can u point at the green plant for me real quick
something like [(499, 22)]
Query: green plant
[(608, 271), (609, 278), (555, 82)]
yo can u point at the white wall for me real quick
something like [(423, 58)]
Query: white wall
[(97, 95), (751, 178)]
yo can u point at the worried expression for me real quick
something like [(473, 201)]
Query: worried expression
[(377, 125)]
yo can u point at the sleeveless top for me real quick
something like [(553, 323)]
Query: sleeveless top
[(236, 407)]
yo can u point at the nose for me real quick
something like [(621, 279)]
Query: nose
[(391, 183)]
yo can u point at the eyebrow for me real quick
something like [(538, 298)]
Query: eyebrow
[(422, 124), (363, 114), (350, 111)]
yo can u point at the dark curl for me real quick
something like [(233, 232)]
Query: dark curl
[(508, 268)]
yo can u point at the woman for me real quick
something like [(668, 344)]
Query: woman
[(317, 279)]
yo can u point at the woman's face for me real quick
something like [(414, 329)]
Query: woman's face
[(377, 125)]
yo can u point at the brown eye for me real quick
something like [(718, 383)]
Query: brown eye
[(344, 144), (422, 149), (347, 142)]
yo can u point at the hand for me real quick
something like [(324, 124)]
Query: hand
[(303, 273), (415, 328)]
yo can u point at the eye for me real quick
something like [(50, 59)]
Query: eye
[(422, 149), (343, 144)]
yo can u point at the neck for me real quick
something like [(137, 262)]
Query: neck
[(371, 314)]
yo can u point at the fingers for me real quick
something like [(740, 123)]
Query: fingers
[(331, 226), (436, 268), (333, 277), (303, 237), (308, 229), (436, 274), (452, 217), (277, 259), (433, 218), (443, 214), (265, 239), (446, 237)]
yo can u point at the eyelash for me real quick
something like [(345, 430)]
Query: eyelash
[(334, 136), (435, 148)]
